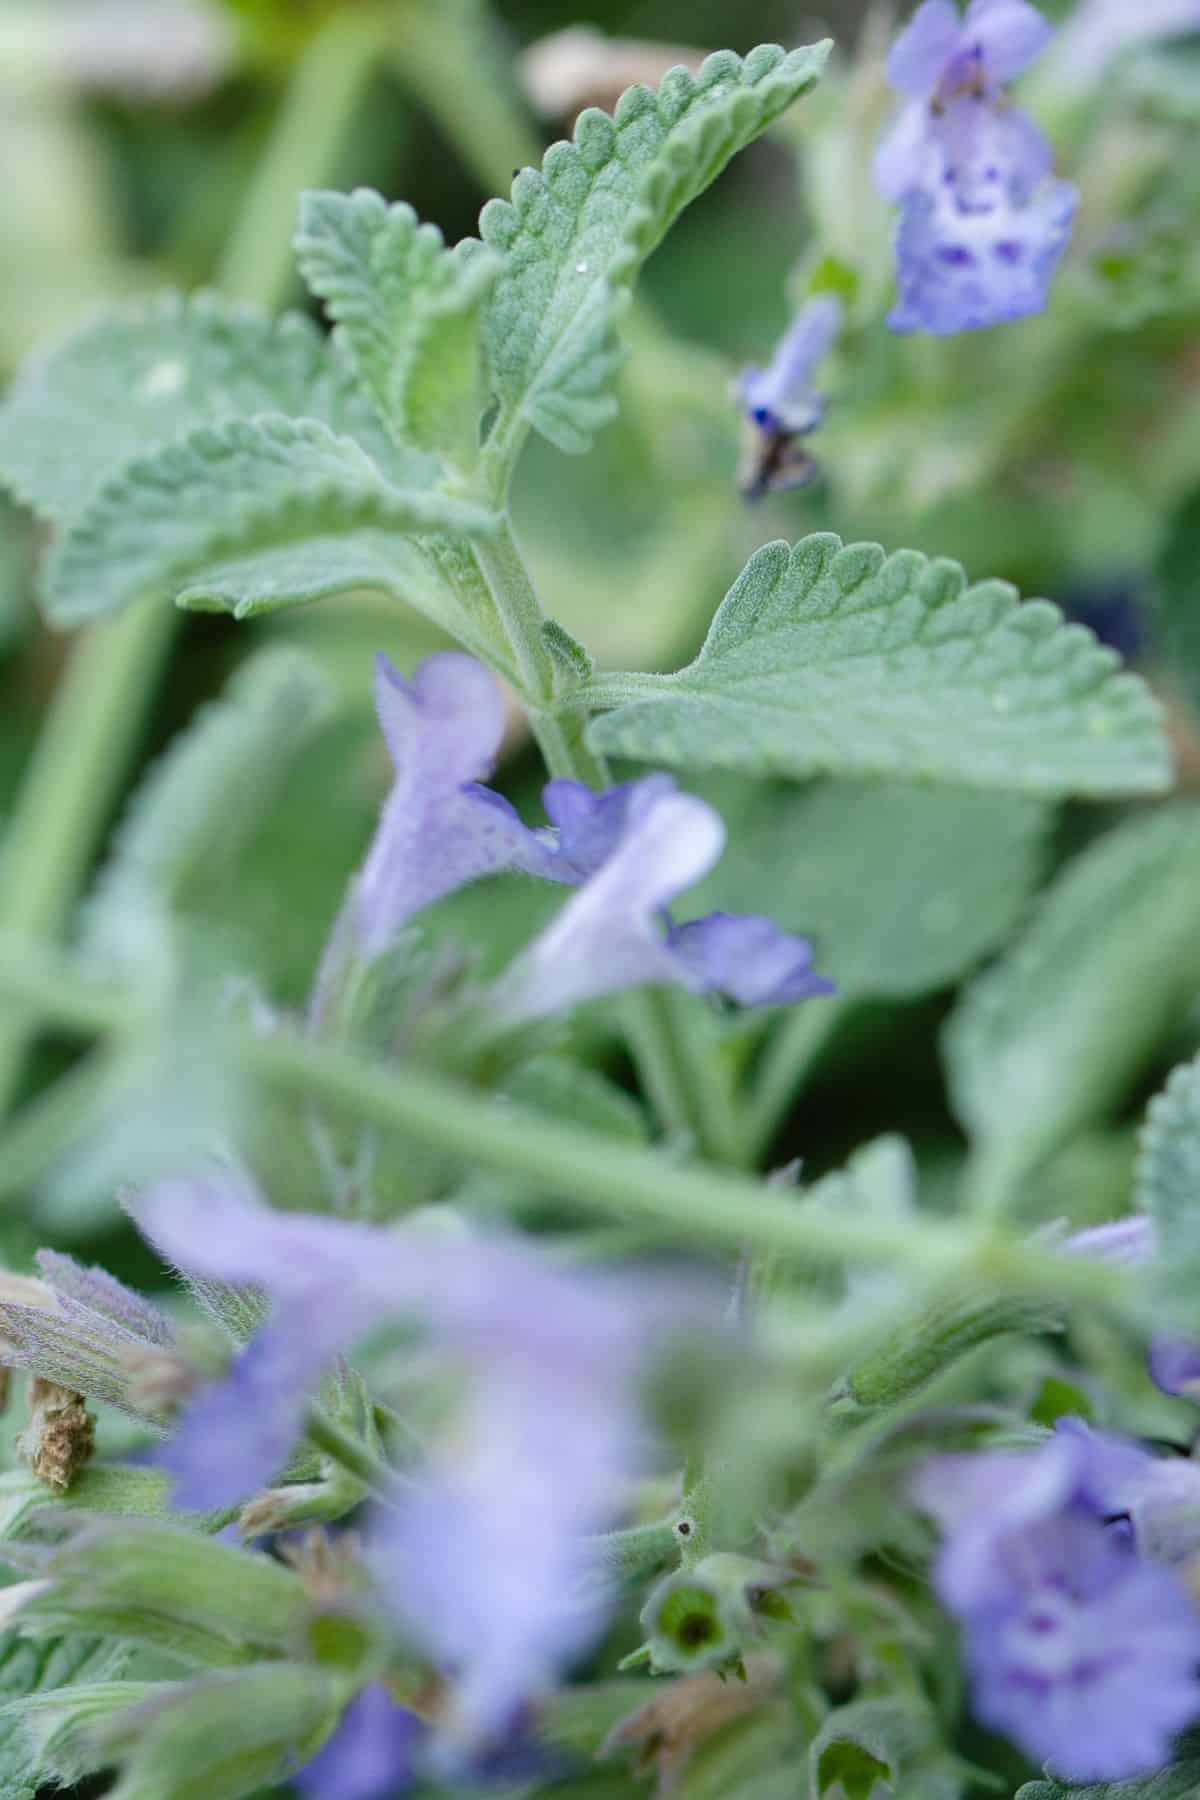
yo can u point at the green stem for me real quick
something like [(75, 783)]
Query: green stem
[(702, 1205), (448, 57), (678, 1061), (350, 1453), (559, 733), (796, 1044), (520, 612), (95, 722), (639, 1551)]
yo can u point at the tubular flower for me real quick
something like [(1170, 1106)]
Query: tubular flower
[(629, 851), (982, 224), (1081, 1647), (484, 1553)]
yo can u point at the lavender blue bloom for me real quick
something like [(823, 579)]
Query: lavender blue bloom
[(1175, 1366), (1131, 1240), (1080, 1648), (629, 850), (440, 828), (485, 1558), (610, 935), (981, 227), (781, 397), (369, 1757)]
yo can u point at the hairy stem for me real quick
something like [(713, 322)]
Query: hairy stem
[(349, 1452), (696, 1205), (94, 725)]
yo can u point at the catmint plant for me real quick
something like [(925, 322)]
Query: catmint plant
[(638, 1264)]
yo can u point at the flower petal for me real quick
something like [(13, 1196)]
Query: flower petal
[(960, 270), (921, 52), (747, 957), (590, 826), (607, 937), (371, 1754), (782, 396), (908, 155), (439, 828), (1010, 33)]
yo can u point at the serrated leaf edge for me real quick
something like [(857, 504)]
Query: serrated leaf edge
[(286, 519)]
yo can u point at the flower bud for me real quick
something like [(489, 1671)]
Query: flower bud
[(702, 1617)]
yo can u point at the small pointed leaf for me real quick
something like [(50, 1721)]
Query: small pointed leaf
[(407, 312), (575, 234)]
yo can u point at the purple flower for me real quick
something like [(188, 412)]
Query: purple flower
[(781, 398), (981, 229), (484, 1553), (610, 935), (440, 829), (1080, 1648), (1175, 1366), (961, 269), (1131, 1241), (370, 1755), (629, 850)]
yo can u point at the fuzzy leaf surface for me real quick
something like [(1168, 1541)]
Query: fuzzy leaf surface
[(1051, 1037), (143, 376), (407, 311), (1180, 1782), (576, 232), (229, 498), (841, 660), (1167, 1180), (27, 1669), (225, 1736)]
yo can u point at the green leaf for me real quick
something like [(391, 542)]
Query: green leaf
[(222, 1737), (864, 1746), (27, 1669), (407, 312), (145, 1582), (1182, 1782), (1167, 1180), (62, 1727), (183, 521), (143, 376), (1177, 613), (202, 803), (847, 661), (1050, 1039), (575, 234), (901, 888)]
